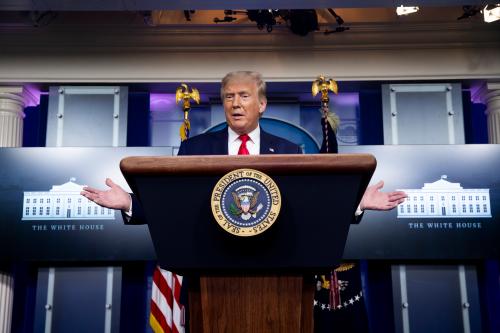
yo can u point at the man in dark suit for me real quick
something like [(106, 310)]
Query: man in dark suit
[(216, 143), (244, 99)]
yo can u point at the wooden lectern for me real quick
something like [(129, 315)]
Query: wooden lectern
[(259, 283)]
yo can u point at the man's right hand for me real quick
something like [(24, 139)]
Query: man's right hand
[(115, 197)]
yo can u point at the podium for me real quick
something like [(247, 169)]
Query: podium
[(262, 283)]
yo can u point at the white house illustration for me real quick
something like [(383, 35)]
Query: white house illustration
[(63, 202), (445, 199)]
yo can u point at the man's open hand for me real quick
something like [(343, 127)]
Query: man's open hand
[(374, 199), (115, 197)]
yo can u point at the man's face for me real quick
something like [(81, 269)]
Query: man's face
[(242, 105)]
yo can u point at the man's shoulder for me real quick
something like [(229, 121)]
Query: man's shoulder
[(205, 143), (277, 144), (275, 138), (206, 137)]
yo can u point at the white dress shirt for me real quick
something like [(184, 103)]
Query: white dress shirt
[(234, 142)]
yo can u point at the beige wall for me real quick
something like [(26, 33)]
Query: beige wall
[(159, 54)]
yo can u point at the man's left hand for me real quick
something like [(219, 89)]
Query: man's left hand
[(374, 199)]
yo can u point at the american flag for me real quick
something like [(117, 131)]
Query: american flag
[(167, 313)]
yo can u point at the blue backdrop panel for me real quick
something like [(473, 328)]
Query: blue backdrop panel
[(73, 235), (446, 233), (392, 235)]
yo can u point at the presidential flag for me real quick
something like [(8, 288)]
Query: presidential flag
[(338, 300)]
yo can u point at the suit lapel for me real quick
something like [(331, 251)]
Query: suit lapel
[(219, 145), (267, 144)]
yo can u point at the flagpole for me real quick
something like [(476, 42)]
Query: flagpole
[(324, 85), (184, 94)]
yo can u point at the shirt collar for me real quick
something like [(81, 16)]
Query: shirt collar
[(233, 136)]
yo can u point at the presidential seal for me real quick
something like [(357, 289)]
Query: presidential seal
[(246, 202)]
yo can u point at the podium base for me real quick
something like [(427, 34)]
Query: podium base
[(270, 303)]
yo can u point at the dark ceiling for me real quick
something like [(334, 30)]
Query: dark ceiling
[(127, 5)]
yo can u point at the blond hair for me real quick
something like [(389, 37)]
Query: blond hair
[(254, 76)]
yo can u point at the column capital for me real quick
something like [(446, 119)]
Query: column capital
[(486, 92), (489, 94), (19, 94), (13, 100)]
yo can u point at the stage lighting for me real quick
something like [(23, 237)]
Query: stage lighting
[(263, 18), (337, 17), (187, 14), (469, 11), (491, 13), (147, 17), (402, 10), (340, 22), (303, 21), (336, 30), (300, 21), (226, 19), (41, 19)]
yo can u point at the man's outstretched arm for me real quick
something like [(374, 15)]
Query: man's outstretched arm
[(115, 197), (374, 199)]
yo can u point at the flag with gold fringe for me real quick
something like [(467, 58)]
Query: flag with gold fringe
[(338, 300)]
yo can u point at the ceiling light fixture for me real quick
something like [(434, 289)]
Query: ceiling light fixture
[(187, 14), (264, 18), (147, 17), (340, 22), (300, 21), (491, 13), (469, 11), (402, 10), (41, 19)]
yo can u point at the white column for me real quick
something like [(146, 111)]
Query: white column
[(12, 102), (490, 95), (6, 301)]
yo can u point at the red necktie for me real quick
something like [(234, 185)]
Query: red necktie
[(243, 148)]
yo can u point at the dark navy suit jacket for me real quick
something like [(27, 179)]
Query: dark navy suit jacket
[(215, 143)]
